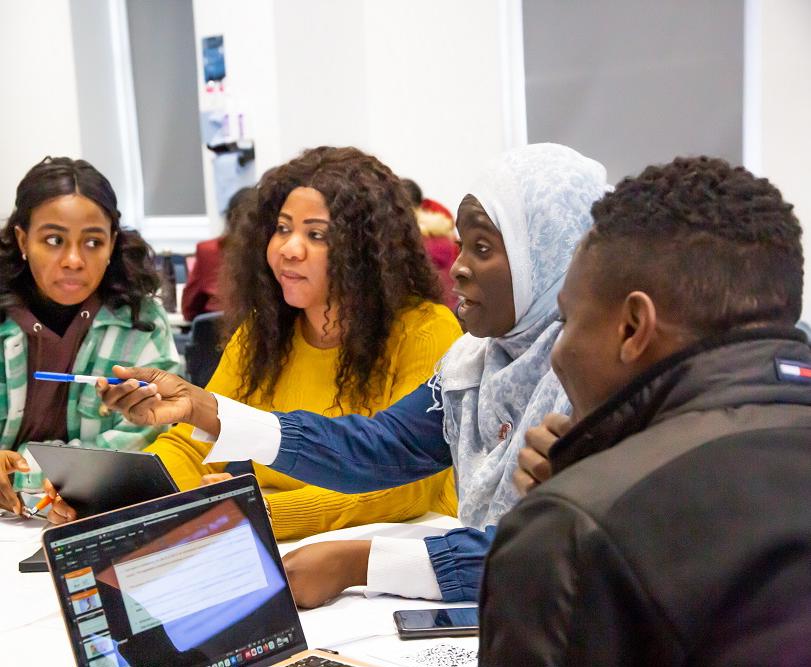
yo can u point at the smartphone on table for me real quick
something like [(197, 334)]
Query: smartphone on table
[(453, 622)]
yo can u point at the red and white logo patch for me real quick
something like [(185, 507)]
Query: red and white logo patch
[(792, 371)]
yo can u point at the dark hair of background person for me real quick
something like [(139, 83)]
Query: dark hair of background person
[(714, 246), (241, 228), (413, 191), (131, 275), (377, 265), (242, 202)]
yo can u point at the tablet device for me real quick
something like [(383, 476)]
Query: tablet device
[(94, 480)]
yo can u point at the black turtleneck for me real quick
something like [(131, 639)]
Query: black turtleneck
[(53, 315)]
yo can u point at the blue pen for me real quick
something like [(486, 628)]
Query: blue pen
[(84, 379)]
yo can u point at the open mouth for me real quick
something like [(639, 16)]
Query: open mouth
[(465, 305)]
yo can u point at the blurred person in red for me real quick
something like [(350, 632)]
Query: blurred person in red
[(438, 236), (201, 294)]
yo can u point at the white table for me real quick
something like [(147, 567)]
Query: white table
[(32, 631), (177, 321)]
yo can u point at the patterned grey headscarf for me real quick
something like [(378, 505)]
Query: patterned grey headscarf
[(493, 389)]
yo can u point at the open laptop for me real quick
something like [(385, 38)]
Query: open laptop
[(192, 579), (93, 480)]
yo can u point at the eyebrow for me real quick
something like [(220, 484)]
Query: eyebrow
[(480, 224), (308, 221), (85, 230)]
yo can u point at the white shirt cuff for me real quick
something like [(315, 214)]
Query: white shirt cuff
[(246, 433), (401, 567)]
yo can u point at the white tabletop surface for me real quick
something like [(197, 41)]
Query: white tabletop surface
[(176, 319), (32, 631)]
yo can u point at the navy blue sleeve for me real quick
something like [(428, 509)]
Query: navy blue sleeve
[(355, 454), (458, 561)]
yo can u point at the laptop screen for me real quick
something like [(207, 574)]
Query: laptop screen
[(190, 579)]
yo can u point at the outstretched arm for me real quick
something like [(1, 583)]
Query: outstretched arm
[(350, 454)]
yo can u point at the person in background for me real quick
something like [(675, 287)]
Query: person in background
[(518, 229), (76, 296), (437, 229), (338, 314), (202, 291), (676, 529)]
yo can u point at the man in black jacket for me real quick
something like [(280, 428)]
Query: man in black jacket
[(676, 528)]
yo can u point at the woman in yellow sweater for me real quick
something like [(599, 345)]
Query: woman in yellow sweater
[(336, 311)]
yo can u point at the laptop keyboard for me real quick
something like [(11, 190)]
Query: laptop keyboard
[(316, 661)]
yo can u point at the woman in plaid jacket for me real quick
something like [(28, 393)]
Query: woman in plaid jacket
[(76, 296)]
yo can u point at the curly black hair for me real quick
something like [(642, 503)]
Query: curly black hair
[(712, 244), (376, 266), (131, 275)]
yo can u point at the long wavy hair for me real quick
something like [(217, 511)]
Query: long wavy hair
[(131, 275), (376, 267)]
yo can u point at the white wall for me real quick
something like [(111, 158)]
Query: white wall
[(102, 122), (418, 83), (785, 110), (434, 80), (39, 114), (247, 27), (322, 82)]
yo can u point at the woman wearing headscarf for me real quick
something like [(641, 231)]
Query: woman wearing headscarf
[(518, 230)]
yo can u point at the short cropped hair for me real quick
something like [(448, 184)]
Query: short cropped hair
[(712, 245)]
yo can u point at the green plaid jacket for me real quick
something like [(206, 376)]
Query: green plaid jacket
[(110, 340)]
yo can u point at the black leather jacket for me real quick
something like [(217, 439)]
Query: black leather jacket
[(677, 530)]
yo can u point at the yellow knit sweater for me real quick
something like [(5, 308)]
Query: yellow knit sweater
[(419, 337)]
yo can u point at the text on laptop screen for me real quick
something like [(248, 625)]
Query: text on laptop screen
[(192, 584)]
